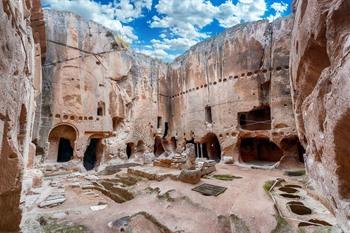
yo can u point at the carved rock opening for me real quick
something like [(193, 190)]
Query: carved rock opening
[(210, 147), (61, 143), (299, 208), (65, 151), (259, 149), (130, 149), (92, 154), (158, 146), (256, 119)]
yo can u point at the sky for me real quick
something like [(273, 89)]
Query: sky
[(165, 29)]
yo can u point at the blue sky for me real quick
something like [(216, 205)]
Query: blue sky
[(164, 29)]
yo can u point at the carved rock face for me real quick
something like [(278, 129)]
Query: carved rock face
[(221, 93), (17, 71), (320, 64)]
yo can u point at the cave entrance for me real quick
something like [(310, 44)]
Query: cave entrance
[(259, 151), (61, 143), (210, 147), (93, 153), (65, 151), (256, 119), (158, 146), (130, 149)]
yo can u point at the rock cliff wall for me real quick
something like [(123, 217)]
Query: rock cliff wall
[(150, 105), (320, 65), (244, 69), (97, 88), (19, 70), (227, 95)]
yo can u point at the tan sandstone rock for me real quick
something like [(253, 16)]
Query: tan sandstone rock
[(18, 72), (320, 65)]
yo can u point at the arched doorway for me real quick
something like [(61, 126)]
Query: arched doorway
[(259, 150), (158, 146), (210, 147), (62, 139)]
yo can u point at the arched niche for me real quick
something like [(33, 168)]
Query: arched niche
[(62, 143)]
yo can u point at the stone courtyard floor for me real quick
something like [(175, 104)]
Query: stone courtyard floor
[(125, 202)]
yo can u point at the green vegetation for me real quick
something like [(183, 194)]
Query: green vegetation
[(50, 225), (268, 184), (226, 177)]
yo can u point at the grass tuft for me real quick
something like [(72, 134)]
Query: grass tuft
[(226, 177), (267, 186)]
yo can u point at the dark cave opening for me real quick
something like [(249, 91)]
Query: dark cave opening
[(90, 155), (259, 149), (158, 146), (257, 119), (130, 149), (211, 147), (65, 151)]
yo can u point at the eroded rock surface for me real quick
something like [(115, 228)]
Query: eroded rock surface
[(93, 89), (73, 93), (19, 70), (234, 87), (320, 65)]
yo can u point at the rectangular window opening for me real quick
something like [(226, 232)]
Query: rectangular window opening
[(208, 115), (159, 122)]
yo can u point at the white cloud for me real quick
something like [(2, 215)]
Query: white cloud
[(111, 15), (185, 20), (128, 10), (279, 8), (244, 11), (157, 53), (167, 49), (182, 21)]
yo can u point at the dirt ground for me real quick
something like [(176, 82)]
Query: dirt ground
[(172, 203)]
